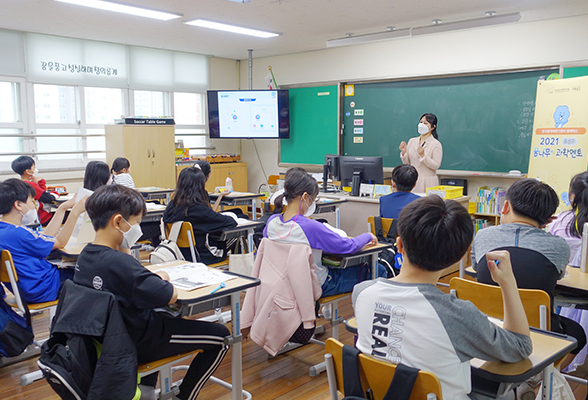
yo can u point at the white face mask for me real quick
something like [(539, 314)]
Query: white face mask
[(423, 129), (29, 217), (310, 210), (131, 236)]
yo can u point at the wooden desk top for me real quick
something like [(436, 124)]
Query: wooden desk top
[(153, 189), (236, 196), (203, 294), (547, 348), (365, 250), (574, 279), (72, 250), (244, 226)]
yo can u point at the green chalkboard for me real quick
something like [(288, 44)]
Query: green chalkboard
[(314, 125), (574, 72), (485, 121)]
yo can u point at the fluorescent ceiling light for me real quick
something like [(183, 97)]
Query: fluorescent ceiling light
[(124, 8), (467, 24), (231, 28), (372, 37)]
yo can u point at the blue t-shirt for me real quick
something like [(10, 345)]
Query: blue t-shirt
[(393, 203), (39, 279)]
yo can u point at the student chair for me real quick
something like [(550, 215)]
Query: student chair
[(532, 270), (166, 368), (185, 237), (375, 374), (8, 275), (488, 299), (386, 224)]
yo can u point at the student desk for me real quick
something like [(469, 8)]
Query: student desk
[(200, 300), (64, 198), (154, 213), (238, 199), (243, 228), (368, 253), (492, 377), (575, 281), (152, 192)]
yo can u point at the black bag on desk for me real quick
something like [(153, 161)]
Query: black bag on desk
[(387, 256)]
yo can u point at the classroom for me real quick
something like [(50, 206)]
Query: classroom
[(99, 66)]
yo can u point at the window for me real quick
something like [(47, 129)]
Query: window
[(12, 140), (189, 118), (150, 104)]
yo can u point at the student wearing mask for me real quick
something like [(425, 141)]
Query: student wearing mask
[(295, 226), (26, 168)]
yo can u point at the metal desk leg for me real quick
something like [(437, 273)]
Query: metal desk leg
[(547, 387), (374, 265), (461, 267), (337, 215), (236, 350), (250, 239), (254, 208)]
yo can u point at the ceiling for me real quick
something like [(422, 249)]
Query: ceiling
[(304, 25)]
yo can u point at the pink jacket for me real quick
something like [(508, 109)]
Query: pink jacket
[(286, 297)]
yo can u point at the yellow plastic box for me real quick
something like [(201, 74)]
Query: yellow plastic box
[(446, 192)]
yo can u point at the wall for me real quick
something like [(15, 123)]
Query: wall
[(513, 46)]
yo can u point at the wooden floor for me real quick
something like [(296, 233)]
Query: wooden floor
[(284, 377)]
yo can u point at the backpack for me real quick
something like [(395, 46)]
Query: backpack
[(15, 333), (167, 250), (400, 388), (389, 258), (68, 364)]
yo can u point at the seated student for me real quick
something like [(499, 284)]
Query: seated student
[(121, 172), (116, 212), (97, 174), (26, 168), (207, 170), (294, 226), (569, 225), (528, 207), (408, 320), (40, 281), (404, 177), (190, 203)]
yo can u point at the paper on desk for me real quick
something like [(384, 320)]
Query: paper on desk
[(192, 276), (240, 221), (154, 206)]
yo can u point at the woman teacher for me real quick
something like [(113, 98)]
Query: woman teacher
[(424, 153)]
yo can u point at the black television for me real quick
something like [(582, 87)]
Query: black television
[(330, 170), (248, 114), (357, 170)]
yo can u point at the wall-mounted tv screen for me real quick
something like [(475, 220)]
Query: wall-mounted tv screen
[(250, 114)]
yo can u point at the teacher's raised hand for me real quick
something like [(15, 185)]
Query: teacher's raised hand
[(402, 147), (421, 151)]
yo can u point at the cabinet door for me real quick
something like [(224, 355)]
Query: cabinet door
[(138, 152), (239, 177), (163, 153)]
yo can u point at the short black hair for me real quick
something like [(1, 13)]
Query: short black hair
[(114, 199), (435, 233), (22, 163), (97, 174), (12, 190), (405, 177), (119, 163), (533, 199)]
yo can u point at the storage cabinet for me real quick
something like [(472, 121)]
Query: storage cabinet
[(219, 173), (150, 149)]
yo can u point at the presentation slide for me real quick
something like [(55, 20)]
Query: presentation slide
[(252, 114)]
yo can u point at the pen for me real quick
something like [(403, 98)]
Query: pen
[(423, 145), (222, 285)]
